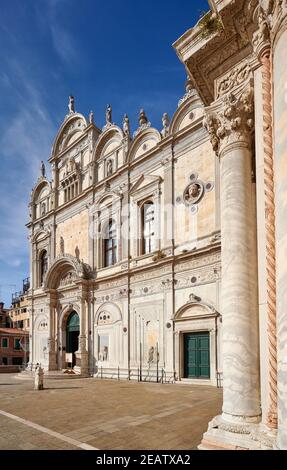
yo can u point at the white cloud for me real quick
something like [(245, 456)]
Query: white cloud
[(63, 41), (25, 140)]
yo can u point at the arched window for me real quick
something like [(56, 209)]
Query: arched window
[(43, 266), (148, 228), (110, 244)]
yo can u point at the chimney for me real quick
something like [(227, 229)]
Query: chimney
[(1, 306)]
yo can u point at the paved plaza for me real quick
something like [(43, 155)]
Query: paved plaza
[(77, 413)]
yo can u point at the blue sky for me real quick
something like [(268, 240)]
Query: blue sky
[(117, 52)]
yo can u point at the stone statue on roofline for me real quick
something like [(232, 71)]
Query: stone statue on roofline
[(126, 126), (71, 104), (91, 117), (109, 114), (43, 169), (165, 124)]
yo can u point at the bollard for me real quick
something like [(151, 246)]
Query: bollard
[(39, 378)]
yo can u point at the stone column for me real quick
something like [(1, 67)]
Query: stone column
[(52, 353), (231, 128), (82, 362), (280, 172)]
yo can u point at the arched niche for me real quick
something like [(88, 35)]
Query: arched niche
[(109, 153), (41, 199)]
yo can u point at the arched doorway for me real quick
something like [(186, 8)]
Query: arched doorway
[(72, 336)]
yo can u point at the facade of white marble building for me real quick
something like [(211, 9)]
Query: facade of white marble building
[(162, 254)]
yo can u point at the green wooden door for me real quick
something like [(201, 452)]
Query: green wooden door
[(72, 338), (196, 355)]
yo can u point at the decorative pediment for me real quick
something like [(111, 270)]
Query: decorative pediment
[(195, 308), (145, 141), (41, 235), (41, 189), (146, 181), (109, 140), (71, 130), (189, 110), (63, 265)]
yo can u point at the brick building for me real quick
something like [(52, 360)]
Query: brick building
[(19, 310), (5, 321), (14, 348)]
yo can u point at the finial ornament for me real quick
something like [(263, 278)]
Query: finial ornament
[(126, 126), (188, 85), (43, 169), (189, 91), (71, 104), (143, 123), (142, 118), (91, 117)]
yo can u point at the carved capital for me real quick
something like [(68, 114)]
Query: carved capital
[(234, 123)]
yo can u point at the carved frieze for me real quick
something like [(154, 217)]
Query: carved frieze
[(237, 76), (198, 261)]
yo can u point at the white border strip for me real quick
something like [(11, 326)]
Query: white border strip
[(55, 434)]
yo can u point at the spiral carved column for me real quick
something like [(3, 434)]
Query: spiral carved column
[(270, 235)]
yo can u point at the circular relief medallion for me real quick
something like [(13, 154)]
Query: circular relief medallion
[(193, 193)]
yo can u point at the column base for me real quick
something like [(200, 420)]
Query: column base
[(52, 365), (239, 434), (82, 364)]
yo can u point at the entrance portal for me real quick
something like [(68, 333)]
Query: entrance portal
[(72, 338), (196, 355)]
